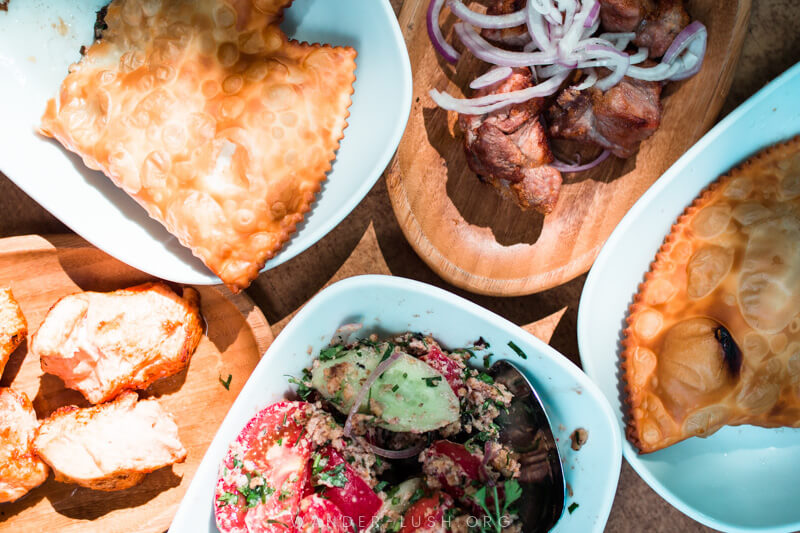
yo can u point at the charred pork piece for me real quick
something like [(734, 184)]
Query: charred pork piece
[(509, 149), (660, 27), (656, 23), (512, 38), (618, 119)]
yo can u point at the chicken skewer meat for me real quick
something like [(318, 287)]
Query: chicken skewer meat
[(20, 469), (110, 446), (13, 326)]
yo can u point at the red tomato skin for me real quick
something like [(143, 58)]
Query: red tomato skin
[(427, 514), (319, 515), (277, 450), (356, 499), (469, 464), (450, 369)]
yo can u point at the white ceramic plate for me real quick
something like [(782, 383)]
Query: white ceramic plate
[(387, 305), (741, 478), (39, 39)]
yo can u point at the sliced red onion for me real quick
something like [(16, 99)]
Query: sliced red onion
[(590, 80), (540, 35), (490, 78), (594, 15), (697, 50), (342, 335), (362, 394), (435, 33), (487, 456), (398, 454), (683, 40), (566, 167), (482, 49), (620, 40), (639, 56), (481, 20), (493, 102), (660, 72)]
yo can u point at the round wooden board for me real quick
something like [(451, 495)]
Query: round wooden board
[(40, 270), (474, 239)]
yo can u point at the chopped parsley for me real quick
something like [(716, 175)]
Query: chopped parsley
[(486, 378), (226, 382), (277, 522), (394, 389), (517, 349), (237, 463), (432, 381), (303, 390), (254, 496), (495, 524), (279, 442), (334, 477), (572, 507), (418, 494), (380, 486), (333, 352), (227, 498)]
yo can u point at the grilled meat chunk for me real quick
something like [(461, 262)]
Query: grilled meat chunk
[(508, 148), (20, 469), (110, 446), (618, 119), (655, 22), (103, 343), (513, 38), (13, 326), (660, 26)]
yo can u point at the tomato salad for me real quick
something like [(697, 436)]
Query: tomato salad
[(386, 436)]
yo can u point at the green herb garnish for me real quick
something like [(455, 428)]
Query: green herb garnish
[(418, 494), (572, 507), (517, 349), (513, 492), (334, 477), (227, 498), (226, 382), (433, 381), (380, 486), (332, 352), (486, 378)]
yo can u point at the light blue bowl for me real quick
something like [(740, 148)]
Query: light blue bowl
[(741, 478), (387, 305)]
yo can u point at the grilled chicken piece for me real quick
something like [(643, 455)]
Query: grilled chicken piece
[(110, 446), (618, 119), (655, 22), (20, 469), (103, 343), (13, 326), (513, 38), (508, 148)]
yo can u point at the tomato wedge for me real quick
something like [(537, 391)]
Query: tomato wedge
[(355, 498), (318, 515), (450, 369), (468, 464), (427, 514), (262, 477)]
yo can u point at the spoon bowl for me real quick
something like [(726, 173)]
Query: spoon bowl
[(525, 428)]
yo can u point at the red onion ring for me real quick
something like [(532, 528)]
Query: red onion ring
[(435, 32), (486, 458), (398, 454), (342, 334), (491, 77), (362, 393), (566, 167), (481, 20), (682, 40), (482, 49)]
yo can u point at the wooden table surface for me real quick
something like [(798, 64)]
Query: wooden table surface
[(772, 45)]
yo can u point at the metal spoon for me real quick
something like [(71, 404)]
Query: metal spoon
[(526, 429)]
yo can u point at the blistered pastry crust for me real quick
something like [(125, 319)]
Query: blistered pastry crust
[(732, 258), (206, 114)]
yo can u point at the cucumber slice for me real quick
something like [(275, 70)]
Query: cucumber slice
[(409, 397)]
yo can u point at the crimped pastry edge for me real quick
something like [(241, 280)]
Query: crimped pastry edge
[(630, 399)]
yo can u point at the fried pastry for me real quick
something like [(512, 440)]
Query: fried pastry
[(20, 469), (713, 335), (13, 326), (110, 446), (210, 118), (103, 343)]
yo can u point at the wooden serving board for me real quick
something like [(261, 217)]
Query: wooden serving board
[(40, 270), (474, 239)]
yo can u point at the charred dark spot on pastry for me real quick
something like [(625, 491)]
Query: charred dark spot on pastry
[(730, 350), (4, 5), (100, 23)]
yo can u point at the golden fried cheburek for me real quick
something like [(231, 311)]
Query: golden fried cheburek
[(13, 326), (713, 335), (210, 118)]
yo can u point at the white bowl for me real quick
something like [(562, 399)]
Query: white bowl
[(387, 305), (741, 478), (39, 39)]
